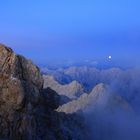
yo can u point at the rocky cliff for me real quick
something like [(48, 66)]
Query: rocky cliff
[(26, 109)]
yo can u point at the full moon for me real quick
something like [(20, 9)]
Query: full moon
[(109, 56)]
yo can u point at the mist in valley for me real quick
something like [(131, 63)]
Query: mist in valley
[(116, 115)]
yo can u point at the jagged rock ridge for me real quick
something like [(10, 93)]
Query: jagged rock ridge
[(26, 109), (99, 98), (72, 90)]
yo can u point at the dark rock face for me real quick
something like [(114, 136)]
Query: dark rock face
[(18, 77), (26, 109), (20, 86)]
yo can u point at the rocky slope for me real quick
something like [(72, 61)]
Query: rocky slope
[(98, 99), (123, 82), (72, 90), (26, 109), (86, 76)]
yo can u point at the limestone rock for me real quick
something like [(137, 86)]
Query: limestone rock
[(99, 98), (26, 109), (71, 90)]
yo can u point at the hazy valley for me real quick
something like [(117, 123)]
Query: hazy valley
[(106, 96)]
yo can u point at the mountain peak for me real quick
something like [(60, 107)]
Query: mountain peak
[(71, 90)]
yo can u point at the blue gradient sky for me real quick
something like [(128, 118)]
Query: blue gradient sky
[(74, 30)]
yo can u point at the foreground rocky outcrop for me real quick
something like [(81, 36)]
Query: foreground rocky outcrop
[(26, 109)]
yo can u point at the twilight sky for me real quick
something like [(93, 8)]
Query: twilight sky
[(72, 30)]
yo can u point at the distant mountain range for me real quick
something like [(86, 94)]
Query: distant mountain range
[(72, 90), (108, 99), (99, 98), (122, 82), (80, 101)]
